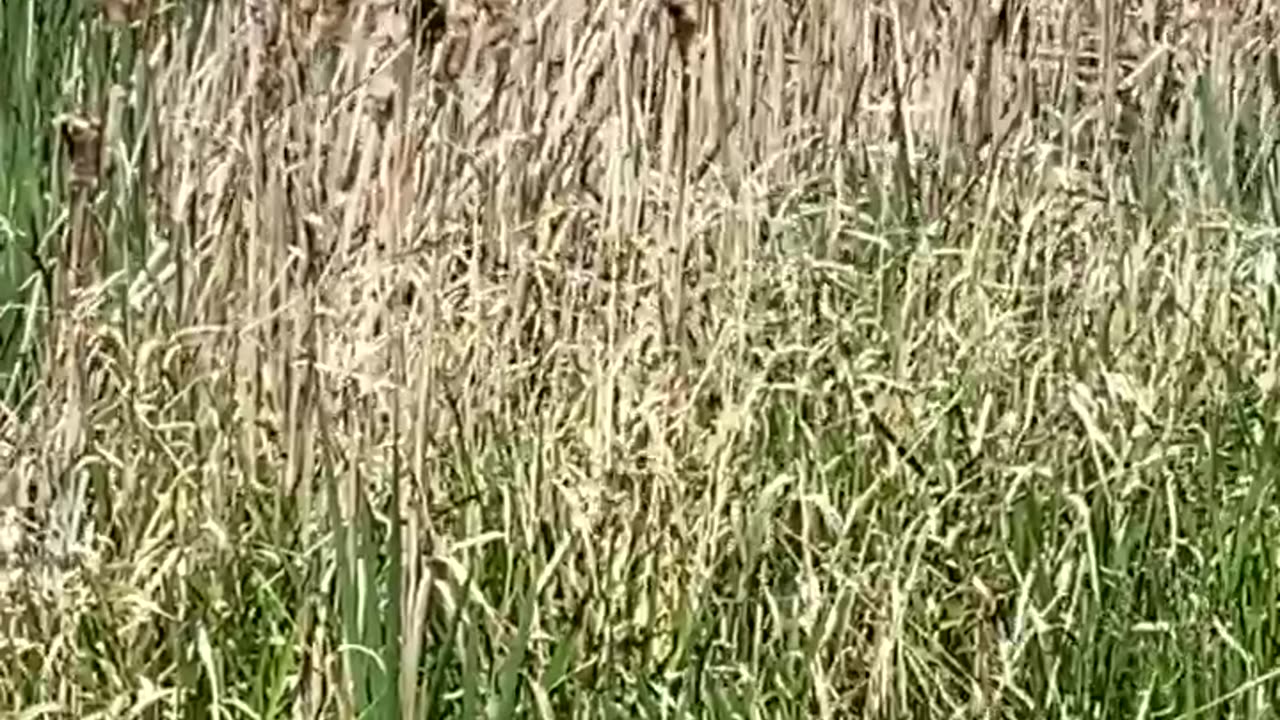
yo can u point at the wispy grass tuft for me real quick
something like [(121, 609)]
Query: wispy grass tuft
[(634, 359)]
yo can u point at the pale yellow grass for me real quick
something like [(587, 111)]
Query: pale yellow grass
[(604, 233)]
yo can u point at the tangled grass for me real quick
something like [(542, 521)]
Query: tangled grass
[(725, 359)]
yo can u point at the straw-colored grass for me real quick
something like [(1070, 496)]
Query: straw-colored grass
[(639, 359)]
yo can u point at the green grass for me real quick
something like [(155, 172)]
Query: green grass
[(406, 405), (34, 61)]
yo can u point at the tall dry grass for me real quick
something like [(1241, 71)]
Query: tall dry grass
[(642, 359)]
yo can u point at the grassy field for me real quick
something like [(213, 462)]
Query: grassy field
[(639, 359)]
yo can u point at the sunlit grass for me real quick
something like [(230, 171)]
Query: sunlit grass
[(396, 382)]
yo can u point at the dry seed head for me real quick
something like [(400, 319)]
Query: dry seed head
[(123, 12), (263, 18), (331, 21), (453, 55), (83, 139), (684, 23), (469, 28), (390, 30), (501, 16), (502, 27), (429, 22), (12, 531), (382, 91), (264, 23)]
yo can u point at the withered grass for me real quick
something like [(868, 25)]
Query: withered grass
[(639, 358)]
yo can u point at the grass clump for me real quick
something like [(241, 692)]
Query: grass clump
[(632, 359)]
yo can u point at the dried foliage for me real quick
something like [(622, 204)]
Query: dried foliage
[(620, 358)]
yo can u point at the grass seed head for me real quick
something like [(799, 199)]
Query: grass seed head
[(82, 138), (684, 23), (123, 12)]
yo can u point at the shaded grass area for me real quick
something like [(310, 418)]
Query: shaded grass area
[(33, 62), (938, 379)]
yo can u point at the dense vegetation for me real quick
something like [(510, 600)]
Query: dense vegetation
[(639, 359)]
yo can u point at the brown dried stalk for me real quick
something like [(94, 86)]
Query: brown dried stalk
[(684, 19)]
